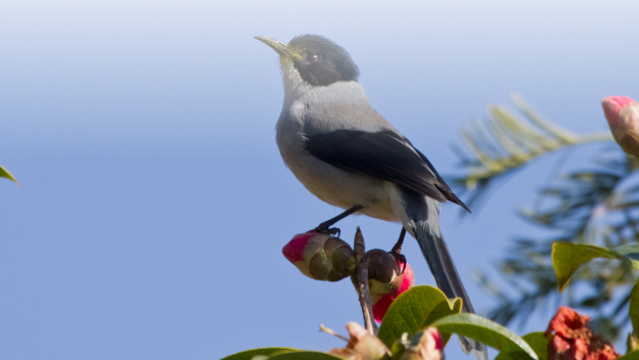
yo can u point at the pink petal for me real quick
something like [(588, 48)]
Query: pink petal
[(612, 105), (294, 250)]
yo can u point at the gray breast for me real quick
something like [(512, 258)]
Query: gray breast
[(311, 110), (340, 106)]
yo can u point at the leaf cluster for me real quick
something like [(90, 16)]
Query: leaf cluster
[(411, 313), (424, 306), (568, 257), (598, 205)]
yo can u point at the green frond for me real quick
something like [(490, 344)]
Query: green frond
[(5, 174), (598, 205), (503, 143)]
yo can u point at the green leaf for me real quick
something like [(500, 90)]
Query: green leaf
[(568, 257), (5, 174), (634, 307), (506, 356), (630, 251), (410, 312), (487, 332), (249, 354), (632, 356), (538, 342), (443, 309), (305, 355)]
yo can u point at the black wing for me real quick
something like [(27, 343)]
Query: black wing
[(385, 155)]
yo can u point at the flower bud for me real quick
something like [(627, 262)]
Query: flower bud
[(425, 345), (622, 114), (320, 256), (571, 338), (362, 345), (387, 279)]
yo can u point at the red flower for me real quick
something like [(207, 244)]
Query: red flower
[(572, 339)]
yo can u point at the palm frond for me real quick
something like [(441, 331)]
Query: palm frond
[(503, 143), (596, 205)]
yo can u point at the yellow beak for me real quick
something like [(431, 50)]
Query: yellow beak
[(279, 47)]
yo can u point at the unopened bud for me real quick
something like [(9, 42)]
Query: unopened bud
[(320, 256), (425, 345), (622, 114), (387, 279)]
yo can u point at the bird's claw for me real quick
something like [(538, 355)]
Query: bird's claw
[(401, 259), (328, 231)]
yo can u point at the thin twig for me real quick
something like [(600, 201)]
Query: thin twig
[(362, 283)]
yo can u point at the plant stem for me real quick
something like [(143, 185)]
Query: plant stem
[(362, 283)]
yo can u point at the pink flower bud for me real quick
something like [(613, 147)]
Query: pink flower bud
[(387, 279), (362, 345), (622, 114), (426, 345), (320, 256)]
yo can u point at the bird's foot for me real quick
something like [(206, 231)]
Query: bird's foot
[(400, 259), (325, 229), (396, 251)]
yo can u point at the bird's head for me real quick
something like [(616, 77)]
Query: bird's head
[(314, 59)]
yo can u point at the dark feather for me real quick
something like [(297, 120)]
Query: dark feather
[(333, 62), (425, 226), (385, 155)]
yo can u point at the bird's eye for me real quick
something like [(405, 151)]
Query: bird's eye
[(311, 58)]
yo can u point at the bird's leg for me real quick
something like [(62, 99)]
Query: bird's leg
[(396, 251), (325, 227)]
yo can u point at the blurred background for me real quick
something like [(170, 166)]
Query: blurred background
[(154, 204)]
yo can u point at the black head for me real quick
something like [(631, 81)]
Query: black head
[(318, 60), (321, 61)]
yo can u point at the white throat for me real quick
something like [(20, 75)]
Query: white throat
[(294, 85), (295, 88)]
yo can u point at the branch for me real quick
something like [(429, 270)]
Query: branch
[(362, 283)]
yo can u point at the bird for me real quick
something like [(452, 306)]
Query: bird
[(349, 156)]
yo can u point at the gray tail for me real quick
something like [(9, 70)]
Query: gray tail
[(425, 226), (441, 265)]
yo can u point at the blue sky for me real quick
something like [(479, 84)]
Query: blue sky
[(154, 203)]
